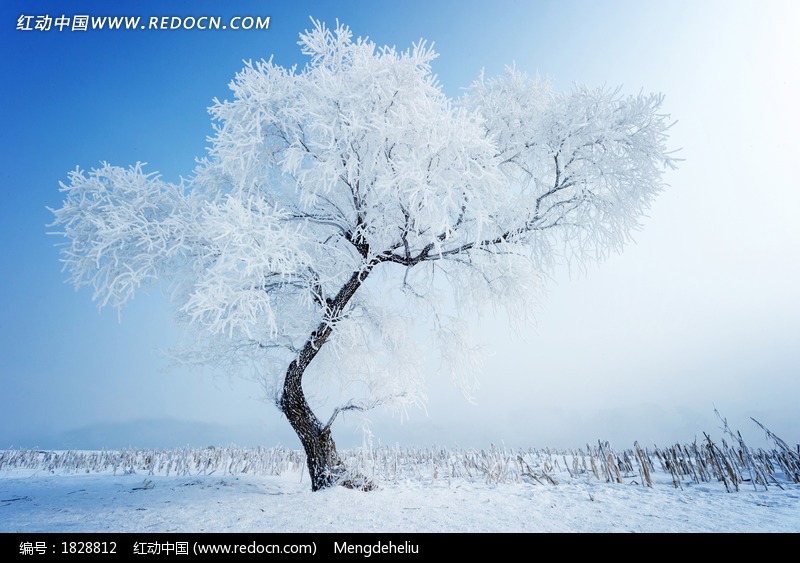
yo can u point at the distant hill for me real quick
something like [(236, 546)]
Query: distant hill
[(161, 433)]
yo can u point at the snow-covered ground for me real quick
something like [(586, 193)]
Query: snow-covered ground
[(34, 500)]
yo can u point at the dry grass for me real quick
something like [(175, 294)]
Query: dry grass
[(733, 465)]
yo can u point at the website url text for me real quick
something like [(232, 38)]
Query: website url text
[(80, 22)]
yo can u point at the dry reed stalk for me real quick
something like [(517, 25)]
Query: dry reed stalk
[(715, 462), (566, 466), (787, 458), (691, 464), (644, 466), (495, 464), (610, 468)]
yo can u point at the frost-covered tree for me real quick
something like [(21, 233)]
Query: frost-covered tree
[(342, 202)]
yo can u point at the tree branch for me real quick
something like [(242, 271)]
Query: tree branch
[(353, 406)]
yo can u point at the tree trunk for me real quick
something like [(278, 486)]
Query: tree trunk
[(324, 465)]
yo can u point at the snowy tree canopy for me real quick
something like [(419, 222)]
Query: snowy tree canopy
[(336, 196)]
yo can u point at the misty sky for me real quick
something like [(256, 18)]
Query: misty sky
[(701, 311)]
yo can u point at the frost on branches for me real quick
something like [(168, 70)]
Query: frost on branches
[(339, 200)]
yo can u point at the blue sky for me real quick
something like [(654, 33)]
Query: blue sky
[(701, 311)]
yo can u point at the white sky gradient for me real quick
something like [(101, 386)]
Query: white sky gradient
[(702, 311)]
